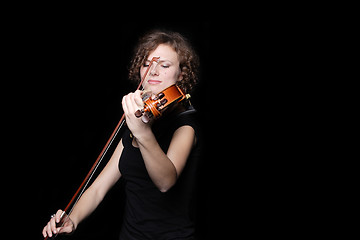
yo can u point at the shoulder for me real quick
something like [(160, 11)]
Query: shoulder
[(165, 128), (187, 124), (186, 118)]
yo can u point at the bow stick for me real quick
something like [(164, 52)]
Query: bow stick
[(76, 197)]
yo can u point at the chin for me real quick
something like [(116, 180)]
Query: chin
[(155, 89)]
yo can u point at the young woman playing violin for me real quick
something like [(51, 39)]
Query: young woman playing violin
[(157, 158)]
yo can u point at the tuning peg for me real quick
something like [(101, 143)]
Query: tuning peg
[(162, 102), (159, 96)]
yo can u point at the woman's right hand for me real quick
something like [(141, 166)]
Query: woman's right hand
[(53, 227)]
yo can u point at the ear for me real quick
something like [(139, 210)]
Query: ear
[(180, 76)]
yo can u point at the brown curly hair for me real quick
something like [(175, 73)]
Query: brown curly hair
[(189, 61)]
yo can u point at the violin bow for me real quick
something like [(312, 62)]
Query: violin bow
[(79, 192)]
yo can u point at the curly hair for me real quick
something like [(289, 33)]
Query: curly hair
[(189, 61)]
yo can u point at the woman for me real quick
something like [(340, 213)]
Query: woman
[(157, 160)]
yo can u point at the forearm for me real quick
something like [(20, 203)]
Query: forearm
[(85, 206), (96, 192), (160, 168)]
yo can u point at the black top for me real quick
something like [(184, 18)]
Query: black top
[(149, 213)]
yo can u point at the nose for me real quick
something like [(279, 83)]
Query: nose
[(154, 71)]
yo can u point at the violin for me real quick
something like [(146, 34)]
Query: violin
[(154, 106)]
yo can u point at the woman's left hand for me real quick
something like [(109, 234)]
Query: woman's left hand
[(131, 103)]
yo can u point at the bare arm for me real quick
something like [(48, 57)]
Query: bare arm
[(96, 192), (90, 199), (163, 168)]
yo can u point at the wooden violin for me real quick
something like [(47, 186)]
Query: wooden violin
[(154, 105), (153, 108)]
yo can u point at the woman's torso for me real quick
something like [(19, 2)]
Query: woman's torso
[(149, 213)]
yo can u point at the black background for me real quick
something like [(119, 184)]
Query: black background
[(65, 72), (77, 75), (65, 92)]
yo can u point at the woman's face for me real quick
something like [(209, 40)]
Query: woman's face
[(166, 73)]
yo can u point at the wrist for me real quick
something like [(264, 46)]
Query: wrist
[(74, 222), (144, 135)]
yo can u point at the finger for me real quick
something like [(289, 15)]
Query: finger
[(68, 226), (138, 99), (44, 232), (58, 215), (53, 225), (130, 103), (123, 103), (48, 230), (145, 118), (61, 230)]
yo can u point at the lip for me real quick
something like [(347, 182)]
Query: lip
[(154, 82)]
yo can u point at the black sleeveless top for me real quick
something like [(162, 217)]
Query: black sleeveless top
[(149, 213)]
